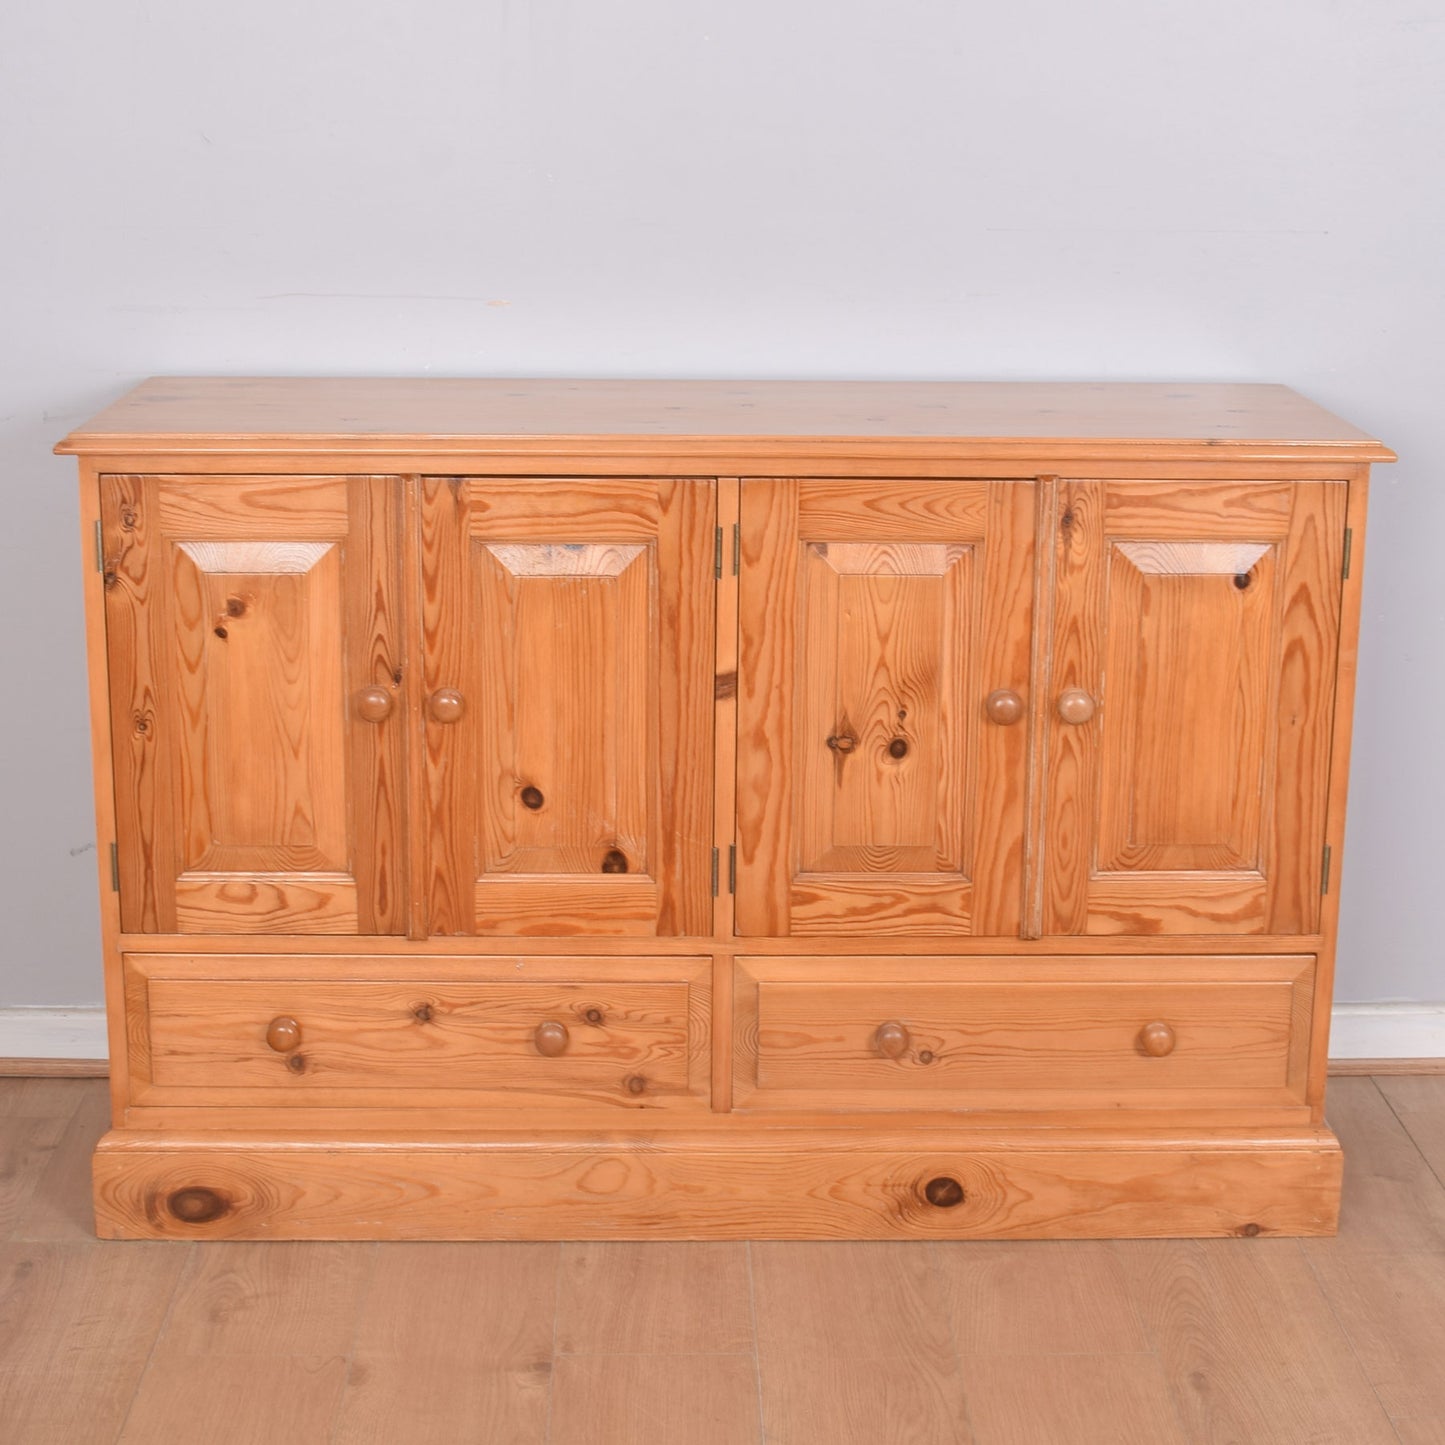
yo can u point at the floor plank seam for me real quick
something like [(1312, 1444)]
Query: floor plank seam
[(145, 1369), (561, 1259), (363, 1299), (1346, 1336), (1409, 1134), (757, 1346), (931, 1254)]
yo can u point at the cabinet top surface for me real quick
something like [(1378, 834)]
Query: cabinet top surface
[(445, 415)]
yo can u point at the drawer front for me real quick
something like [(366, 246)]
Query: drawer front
[(385, 1032), (942, 1033)]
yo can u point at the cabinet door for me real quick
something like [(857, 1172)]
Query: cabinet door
[(880, 786), (1192, 677), (568, 650), (255, 666)]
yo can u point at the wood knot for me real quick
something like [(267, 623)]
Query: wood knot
[(943, 1192), (198, 1205), (296, 1063), (925, 1056), (635, 1084), (614, 860), (898, 748), (593, 1015), (532, 797), (128, 518), (221, 632), (1241, 580), (422, 1013), (1249, 1231), (235, 607)]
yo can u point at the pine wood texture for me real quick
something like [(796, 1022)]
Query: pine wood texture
[(779, 1184), (1191, 421), (251, 794), (718, 810), (572, 793)]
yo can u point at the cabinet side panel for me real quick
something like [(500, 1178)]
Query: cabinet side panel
[(1309, 645)]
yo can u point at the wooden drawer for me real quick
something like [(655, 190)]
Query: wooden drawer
[(294, 1031), (956, 1033)]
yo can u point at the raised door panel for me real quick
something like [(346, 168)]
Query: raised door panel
[(874, 790), (568, 635), (255, 664), (1193, 660)]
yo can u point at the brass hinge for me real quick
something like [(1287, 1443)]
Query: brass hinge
[(732, 867), (717, 553), (1349, 542), (114, 869), (714, 872), (99, 549), (737, 546), (1325, 871)]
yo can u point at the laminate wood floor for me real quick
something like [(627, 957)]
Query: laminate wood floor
[(1230, 1342)]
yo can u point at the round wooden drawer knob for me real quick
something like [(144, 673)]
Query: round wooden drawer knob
[(1156, 1039), (551, 1039), (1004, 707), (373, 704), (1076, 706), (944, 1192), (283, 1034), (891, 1040), (446, 705)]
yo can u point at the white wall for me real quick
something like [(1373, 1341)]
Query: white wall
[(1238, 189)]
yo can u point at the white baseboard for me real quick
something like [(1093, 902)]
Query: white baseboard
[(1357, 1031), (52, 1033), (1387, 1031)]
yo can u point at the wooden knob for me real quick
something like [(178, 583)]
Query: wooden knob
[(1156, 1039), (551, 1038), (373, 704), (891, 1040), (943, 1192), (1003, 707), (446, 705), (1076, 706), (283, 1034)]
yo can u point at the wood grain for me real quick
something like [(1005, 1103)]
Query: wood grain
[(1085, 1399), (872, 795), (1037, 1299), (772, 1185), (1281, 1370), (1013, 1034), (572, 417), (573, 795), (636, 1037), (654, 1299), (655, 1400), (1194, 800), (252, 798), (68, 1370)]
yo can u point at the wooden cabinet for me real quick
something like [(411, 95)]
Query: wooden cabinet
[(629, 810)]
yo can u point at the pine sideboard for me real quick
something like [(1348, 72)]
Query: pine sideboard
[(589, 809)]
